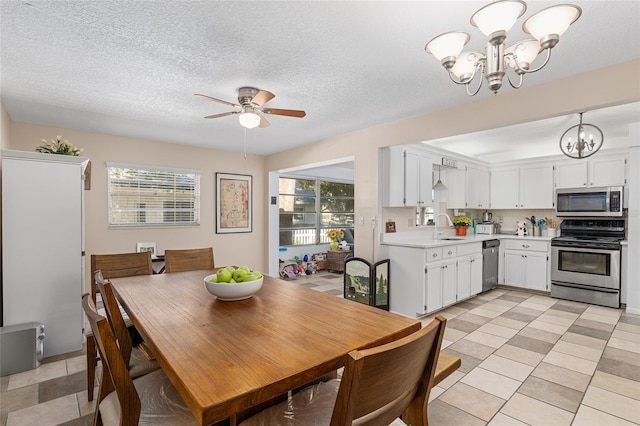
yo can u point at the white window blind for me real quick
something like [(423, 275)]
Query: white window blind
[(153, 196)]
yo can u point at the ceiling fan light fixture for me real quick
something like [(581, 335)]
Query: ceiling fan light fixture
[(249, 119)]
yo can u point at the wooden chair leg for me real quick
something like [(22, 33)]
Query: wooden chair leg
[(91, 365)]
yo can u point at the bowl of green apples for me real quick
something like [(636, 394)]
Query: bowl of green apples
[(229, 283)]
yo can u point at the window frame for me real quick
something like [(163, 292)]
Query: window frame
[(320, 230), (193, 197)]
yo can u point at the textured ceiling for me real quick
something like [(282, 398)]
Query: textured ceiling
[(131, 67)]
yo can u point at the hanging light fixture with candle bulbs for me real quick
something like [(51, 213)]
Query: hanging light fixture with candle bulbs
[(582, 140), (495, 20)]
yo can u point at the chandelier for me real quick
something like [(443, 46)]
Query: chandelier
[(494, 20), (575, 143)]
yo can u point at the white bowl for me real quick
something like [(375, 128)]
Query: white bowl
[(232, 291)]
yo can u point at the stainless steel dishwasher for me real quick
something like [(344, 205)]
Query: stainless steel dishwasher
[(490, 264)]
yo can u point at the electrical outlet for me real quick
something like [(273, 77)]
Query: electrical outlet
[(373, 221), (361, 220), (410, 222), (499, 219)]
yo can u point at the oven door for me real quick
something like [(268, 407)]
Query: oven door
[(586, 266)]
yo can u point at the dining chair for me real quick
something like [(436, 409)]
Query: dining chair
[(111, 266), (377, 386), (138, 363), (150, 399), (188, 260)]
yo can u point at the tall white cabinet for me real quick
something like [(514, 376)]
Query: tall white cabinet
[(43, 245)]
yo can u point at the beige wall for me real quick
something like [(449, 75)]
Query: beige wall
[(244, 248), (582, 92), (597, 89)]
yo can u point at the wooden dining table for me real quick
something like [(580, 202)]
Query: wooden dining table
[(224, 357)]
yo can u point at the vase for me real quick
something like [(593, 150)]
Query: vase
[(461, 231), (333, 245)]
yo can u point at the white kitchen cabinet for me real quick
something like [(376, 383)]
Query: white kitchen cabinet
[(525, 187), (505, 188), (477, 194), (426, 280), (407, 176), (526, 264), (476, 274), (43, 245), (536, 187), (468, 188), (456, 188), (599, 171)]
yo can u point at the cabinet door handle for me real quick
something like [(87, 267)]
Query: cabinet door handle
[(449, 252), (434, 255), (525, 245)]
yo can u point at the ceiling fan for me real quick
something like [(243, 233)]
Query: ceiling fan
[(250, 108)]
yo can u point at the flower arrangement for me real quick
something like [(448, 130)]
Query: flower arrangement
[(462, 221), (334, 234), (58, 146)]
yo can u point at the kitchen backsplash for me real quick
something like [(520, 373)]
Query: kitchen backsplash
[(405, 217)]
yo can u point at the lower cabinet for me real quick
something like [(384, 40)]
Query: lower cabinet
[(526, 264), (426, 280)]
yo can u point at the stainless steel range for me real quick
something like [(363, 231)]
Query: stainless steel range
[(585, 261)]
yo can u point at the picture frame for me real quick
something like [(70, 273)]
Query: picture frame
[(150, 247), (234, 203), (390, 226)]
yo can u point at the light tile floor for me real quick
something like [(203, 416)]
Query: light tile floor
[(526, 359)]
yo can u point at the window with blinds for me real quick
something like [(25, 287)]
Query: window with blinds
[(152, 196)]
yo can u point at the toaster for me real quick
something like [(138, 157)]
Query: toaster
[(485, 228)]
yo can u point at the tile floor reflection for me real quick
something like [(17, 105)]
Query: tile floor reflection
[(527, 359)]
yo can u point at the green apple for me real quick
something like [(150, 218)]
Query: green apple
[(252, 276), (244, 268), (213, 279), (239, 274), (223, 276)]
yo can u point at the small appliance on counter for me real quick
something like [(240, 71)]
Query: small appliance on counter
[(488, 228)]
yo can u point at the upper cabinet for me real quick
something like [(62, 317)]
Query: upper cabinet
[(407, 177), (599, 171), (477, 188), (525, 187), (468, 188)]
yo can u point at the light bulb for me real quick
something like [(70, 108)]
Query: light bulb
[(249, 120)]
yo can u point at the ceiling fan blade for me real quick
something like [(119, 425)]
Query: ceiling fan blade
[(263, 122), (217, 100), (287, 112), (224, 114), (262, 97)]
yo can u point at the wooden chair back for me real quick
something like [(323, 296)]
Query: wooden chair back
[(119, 265), (117, 372), (389, 381), (112, 310), (188, 260)]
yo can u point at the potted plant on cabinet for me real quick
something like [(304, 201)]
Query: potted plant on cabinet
[(462, 223)]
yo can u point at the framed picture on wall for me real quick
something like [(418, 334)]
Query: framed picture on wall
[(234, 211), (150, 247)]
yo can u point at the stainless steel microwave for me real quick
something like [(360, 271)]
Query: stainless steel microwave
[(596, 201)]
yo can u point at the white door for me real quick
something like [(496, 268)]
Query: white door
[(433, 280), (463, 278), (571, 175), (535, 271), (449, 282), (607, 172), (476, 274), (505, 189), (513, 268), (536, 187)]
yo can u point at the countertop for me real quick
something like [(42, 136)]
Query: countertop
[(420, 239)]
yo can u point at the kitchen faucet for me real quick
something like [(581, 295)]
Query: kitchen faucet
[(435, 228)]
